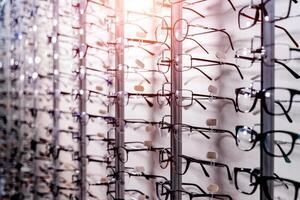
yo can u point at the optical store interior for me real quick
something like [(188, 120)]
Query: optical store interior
[(149, 99)]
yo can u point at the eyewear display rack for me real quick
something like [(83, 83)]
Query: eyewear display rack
[(56, 89), (119, 89), (34, 82), (82, 106), (176, 112), (20, 76), (267, 81)]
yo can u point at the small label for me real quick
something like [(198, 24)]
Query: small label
[(139, 169), (102, 111), (150, 128), (212, 155), (213, 188), (99, 88), (101, 135), (212, 89), (139, 88), (148, 143), (103, 180), (141, 34), (211, 122)]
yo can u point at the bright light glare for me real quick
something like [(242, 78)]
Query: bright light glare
[(138, 5)]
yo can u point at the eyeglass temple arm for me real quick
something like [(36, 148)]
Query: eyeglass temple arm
[(201, 162), (148, 42), (281, 180), (213, 30), (155, 176), (198, 103), (202, 133), (100, 4), (137, 191), (233, 7), (230, 99), (204, 170), (147, 176), (150, 104), (197, 186), (194, 11), (294, 49), (288, 34), (138, 73), (218, 97), (166, 78), (97, 160), (288, 68), (285, 156), (141, 47), (222, 63), (225, 131), (198, 44), (284, 111), (229, 38), (202, 73), (227, 168)]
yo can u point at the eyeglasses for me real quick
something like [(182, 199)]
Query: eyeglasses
[(135, 172), (249, 15), (150, 125), (188, 61), (283, 51), (146, 176), (128, 95), (130, 194), (84, 117), (246, 99), (183, 33), (55, 189), (82, 50), (91, 72), (169, 2), (164, 64), (165, 158), (93, 137), (122, 152), (91, 158), (246, 57), (247, 180), (197, 129), (286, 52), (162, 31), (54, 151), (187, 97), (64, 167), (92, 96), (189, 191), (134, 45), (69, 51), (101, 61), (133, 70), (246, 139)]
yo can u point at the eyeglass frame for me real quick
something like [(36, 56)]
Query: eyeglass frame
[(260, 94)]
